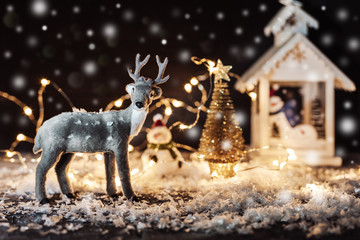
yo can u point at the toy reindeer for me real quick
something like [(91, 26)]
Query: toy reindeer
[(60, 137)]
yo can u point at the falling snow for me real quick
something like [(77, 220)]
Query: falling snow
[(342, 14), (39, 8), (90, 67), (354, 44), (110, 30), (347, 125)]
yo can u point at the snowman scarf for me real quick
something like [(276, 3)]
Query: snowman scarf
[(166, 146)]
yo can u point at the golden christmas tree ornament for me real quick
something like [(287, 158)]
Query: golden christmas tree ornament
[(221, 143), (220, 71)]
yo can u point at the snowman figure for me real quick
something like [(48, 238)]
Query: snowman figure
[(161, 153), (285, 124)]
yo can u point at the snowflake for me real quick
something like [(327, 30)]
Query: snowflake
[(110, 30), (91, 46), (347, 125), (238, 31), (90, 67), (342, 14), (39, 8), (220, 16)]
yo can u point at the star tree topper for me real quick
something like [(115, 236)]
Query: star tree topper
[(220, 71)]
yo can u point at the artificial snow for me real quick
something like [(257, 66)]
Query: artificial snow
[(316, 201)]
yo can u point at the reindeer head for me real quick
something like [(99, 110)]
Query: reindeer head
[(145, 90)]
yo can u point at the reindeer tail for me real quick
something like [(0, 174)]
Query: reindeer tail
[(37, 144)]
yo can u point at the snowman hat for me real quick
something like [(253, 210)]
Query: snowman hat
[(158, 121)]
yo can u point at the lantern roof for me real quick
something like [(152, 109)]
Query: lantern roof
[(275, 55), (289, 20)]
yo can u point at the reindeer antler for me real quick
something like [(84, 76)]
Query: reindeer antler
[(162, 65), (138, 65)]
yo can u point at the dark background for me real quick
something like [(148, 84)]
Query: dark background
[(91, 68)]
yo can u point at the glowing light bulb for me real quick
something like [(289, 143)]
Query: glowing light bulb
[(27, 111), (117, 181), (176, 103), (118, 103), (275, 163), (253, 96), (99, 156), (211, 67), (237, 168), (134, 171), (168, 111), (88, 182), (10, 154), (182, 126), (292, 155), (130, 148), (44, 82), (282, 165), (21, 137), (194, 81), (151, 163), (188, 87), (312, 186), (214, 174)]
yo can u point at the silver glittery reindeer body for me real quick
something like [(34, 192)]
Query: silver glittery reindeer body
[(60, 137)]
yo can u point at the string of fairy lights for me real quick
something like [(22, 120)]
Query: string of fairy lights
[(168, 103)]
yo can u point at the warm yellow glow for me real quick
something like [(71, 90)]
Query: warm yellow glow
[(194, 81), (211, 66), (134, 171), (237, 168), (88, 182), (188, 87), (151, 163), (282, 165), (253, 96), (182, 126), (118, 103), (117, 181), (176, 103), (130, 148), (45, 82), (27, 111), (10, 154), (292, 156), (21, 137), (201, 156), (168, 111), (79, 154), (71, 175), (275, 163), (214, 174), (99, 156), (312, 186)]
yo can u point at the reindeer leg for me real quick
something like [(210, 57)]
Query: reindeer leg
[(110, 174), (48, 159), (61, 170), (124, 172)]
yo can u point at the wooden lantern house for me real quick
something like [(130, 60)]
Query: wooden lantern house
[(292, 90)]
